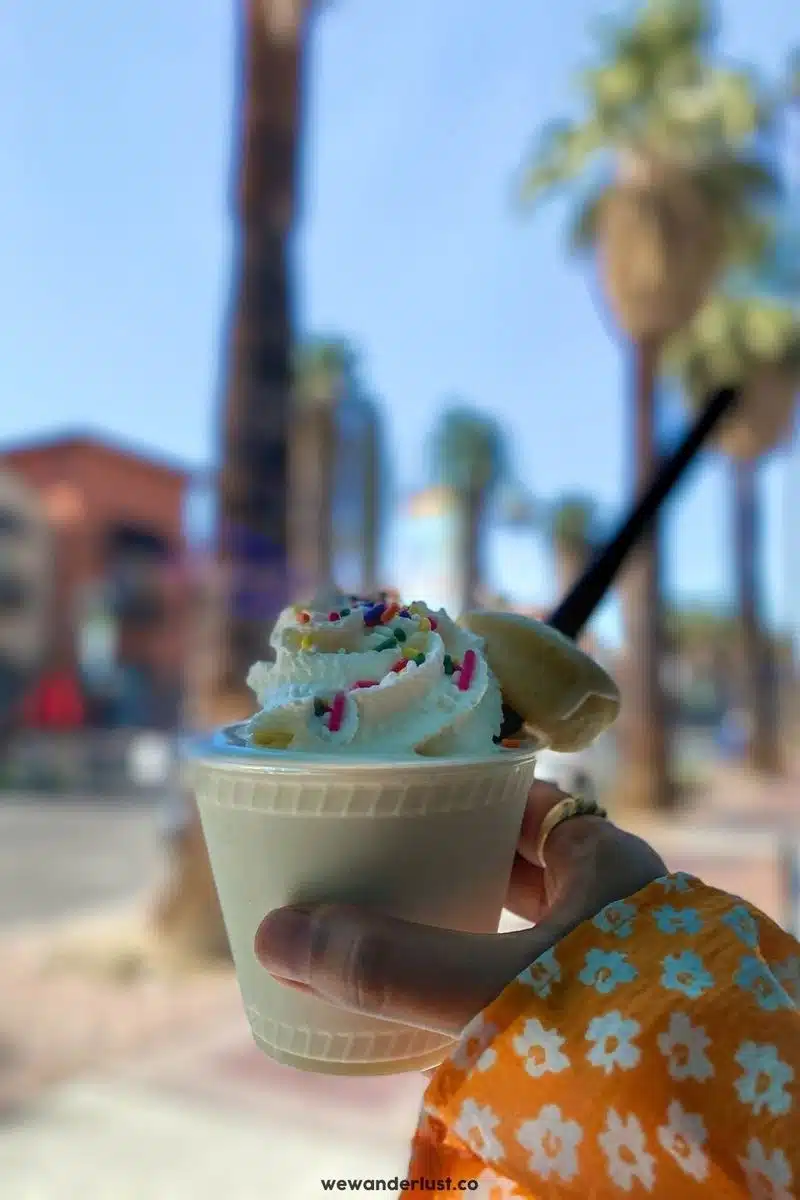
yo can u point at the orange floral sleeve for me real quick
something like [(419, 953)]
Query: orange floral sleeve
[(654, 1052)]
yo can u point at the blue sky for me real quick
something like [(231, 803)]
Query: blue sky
[(114, 203)]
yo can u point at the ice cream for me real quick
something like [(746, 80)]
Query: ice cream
[(375, 679), (373, 774)]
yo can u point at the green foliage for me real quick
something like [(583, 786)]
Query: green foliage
[(732, 186), (793, 77), (697, 626), (573, 522), (517, 508), (321, 367), (467, 450), (730, 339), (653, 93)]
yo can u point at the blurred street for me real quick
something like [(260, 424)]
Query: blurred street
[(206, 1123), (61, 856), (170, 1098)]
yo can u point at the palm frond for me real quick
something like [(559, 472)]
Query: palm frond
[(321, 366), (792, 87), (585, 225), (613, 87), (730, 339), (467, 449), (677, 23), (563, 150), (741, 192), (573, 520)]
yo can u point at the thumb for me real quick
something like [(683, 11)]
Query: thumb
[(421, 975), (436, 978)]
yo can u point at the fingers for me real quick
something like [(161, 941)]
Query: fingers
[(532, 890), (589, 857), (527, 894), (433, 978), (440, 979), (541, 798)]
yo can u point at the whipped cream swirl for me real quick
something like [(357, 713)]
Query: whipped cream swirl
[(374, 679)]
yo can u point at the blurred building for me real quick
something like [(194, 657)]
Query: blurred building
[(25, 576), (118, 598)]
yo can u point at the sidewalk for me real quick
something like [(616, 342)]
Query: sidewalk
[(210, 1120), (96, 1141)]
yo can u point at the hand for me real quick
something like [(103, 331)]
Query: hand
[(440, 979)]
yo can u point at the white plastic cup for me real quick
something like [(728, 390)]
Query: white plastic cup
[(430, 840)]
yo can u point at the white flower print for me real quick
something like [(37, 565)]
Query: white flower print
[(684, 1045), (788, 974), (486, 1060), (475, 1126), (678, 882), (672, 920), (769, 1176), (753, 975), (743, 924), (542, 974), (605, 970), (623, 1144), (473, 1043), (553, 1142), (616, 918), (683, 1137), (541, 1049), (613, 1036), (686, 972), (763, 1084), (494, 1187)]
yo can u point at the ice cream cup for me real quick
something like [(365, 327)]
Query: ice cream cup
[(427, 839)]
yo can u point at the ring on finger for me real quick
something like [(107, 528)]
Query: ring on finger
[(565, 810)]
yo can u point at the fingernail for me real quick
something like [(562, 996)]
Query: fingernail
[(282, 943), (291, 983)]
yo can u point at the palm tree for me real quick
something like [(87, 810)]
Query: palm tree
[(573, 521), (252, 544), (755, 343), (676, 206), (323, 368), (373, 468), (516, 506), (793, 77), (469, 458), (252, 539), (703, 638)]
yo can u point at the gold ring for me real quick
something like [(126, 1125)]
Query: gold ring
[(565, 810)]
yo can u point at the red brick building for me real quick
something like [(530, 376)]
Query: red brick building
[(118, 547)]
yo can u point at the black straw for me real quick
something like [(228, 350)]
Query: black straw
[(579, 606)]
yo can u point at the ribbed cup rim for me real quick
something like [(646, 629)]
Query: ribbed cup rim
[(223, 748)]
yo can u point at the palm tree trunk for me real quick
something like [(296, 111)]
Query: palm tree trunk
[(644, 765), (757, 659), (371, 521), (252, 544), (470, 556), (570, 563), (313, 473), (252, 537)]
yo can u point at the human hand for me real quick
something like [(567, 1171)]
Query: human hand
[(440, 979)]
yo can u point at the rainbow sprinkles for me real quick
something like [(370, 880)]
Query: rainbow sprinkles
[(367, 676)]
